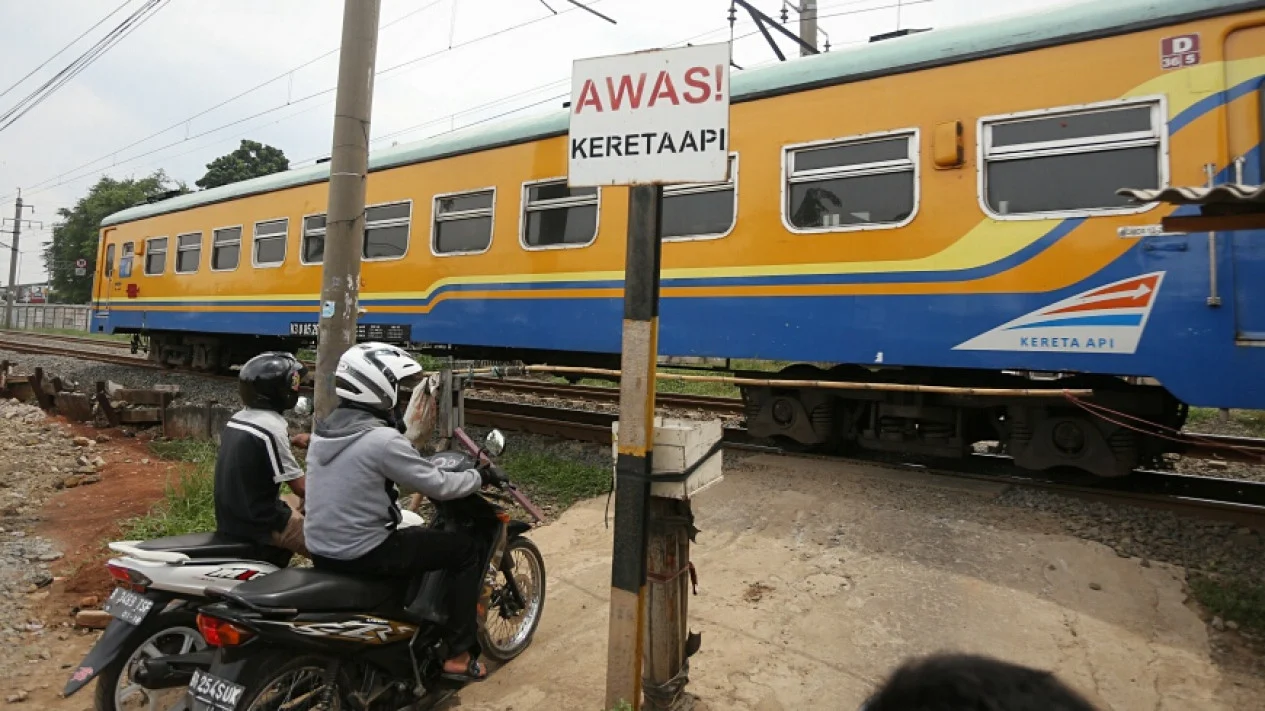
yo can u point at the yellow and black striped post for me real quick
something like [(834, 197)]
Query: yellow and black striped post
[(636, 446)]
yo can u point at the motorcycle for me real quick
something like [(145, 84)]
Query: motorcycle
[(150, 648), (152, 643), (307, 639)]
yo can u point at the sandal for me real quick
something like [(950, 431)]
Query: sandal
[(474, 672)]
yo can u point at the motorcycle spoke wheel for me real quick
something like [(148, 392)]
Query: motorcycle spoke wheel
[(298, 688), (507, 626), (131, 695)]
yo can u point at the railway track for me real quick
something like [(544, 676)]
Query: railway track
[(68, 351), (1171, 490), (7, 335), (726, 405), (1242, 501)]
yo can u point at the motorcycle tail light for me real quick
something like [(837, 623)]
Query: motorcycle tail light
[(222, 633), (128, 578)]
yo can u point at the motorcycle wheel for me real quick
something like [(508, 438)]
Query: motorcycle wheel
[(529, 573), (171, 632), (288, 684)]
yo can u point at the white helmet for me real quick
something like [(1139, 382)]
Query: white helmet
[(371, 373)]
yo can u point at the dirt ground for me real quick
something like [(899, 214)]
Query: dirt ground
[(816, 580), (814, 584), (81, 520)]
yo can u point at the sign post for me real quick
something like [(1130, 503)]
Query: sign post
[(643, 120)]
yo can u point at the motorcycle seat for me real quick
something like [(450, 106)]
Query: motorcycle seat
[(212, 545), (308, 589)]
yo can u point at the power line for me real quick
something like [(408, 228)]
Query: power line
[(63, 49), (378, 139), (48, 88), (61, 179), (225, 102)]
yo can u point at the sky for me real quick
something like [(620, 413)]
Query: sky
[(197, 77)]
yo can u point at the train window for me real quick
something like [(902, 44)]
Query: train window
[(109, 260), (125, 261), (226, 248), (463, 222), (555, 215), (313, 239), (270, 242), (188, 253), (1061, 161), (701, 210), (865, 182), (386, 230), (155, 256)]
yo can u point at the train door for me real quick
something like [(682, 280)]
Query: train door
[(105, 281), (1245, 124)]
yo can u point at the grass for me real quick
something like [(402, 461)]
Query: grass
[(1232, 599), (555, 479), (189, 504), (1252, 420), (76, 332)]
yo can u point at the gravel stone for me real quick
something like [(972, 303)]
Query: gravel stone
[(84, 374), (32, 450)]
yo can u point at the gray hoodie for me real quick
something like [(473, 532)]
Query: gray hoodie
[(354, 462)]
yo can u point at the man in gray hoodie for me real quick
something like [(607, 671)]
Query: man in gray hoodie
[(355, 459)]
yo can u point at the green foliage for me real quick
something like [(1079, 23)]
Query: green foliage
[(251, 160), (77, 234), (1206, 417), (555, 479), (188, 506), (1232, 599)]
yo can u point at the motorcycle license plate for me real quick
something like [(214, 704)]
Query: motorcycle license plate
[(212, 692), (128, 606)]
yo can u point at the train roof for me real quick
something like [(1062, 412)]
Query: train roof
[(994, 37)]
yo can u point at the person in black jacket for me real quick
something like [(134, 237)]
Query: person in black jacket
[(254, 458)]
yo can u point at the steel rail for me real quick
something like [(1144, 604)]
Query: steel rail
[(600, 394), (60, 337), (1244, 500)]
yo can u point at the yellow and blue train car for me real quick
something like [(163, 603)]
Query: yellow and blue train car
[(938, 208)]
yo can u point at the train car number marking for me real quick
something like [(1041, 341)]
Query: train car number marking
[(1180, 51)]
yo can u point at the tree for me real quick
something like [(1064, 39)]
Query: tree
[(78, 231), (251, 160)]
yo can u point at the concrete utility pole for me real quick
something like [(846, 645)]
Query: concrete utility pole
[(12, 293), (807, 25), (345, 220)]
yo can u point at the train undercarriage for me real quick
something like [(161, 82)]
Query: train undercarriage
[(1110, 435), (206, 352)]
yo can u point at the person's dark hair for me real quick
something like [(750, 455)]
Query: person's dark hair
[(964, 682)]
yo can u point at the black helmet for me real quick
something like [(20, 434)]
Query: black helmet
[(270, 381)]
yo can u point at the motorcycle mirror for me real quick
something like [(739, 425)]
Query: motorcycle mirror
[(303, 407), (495, 443)]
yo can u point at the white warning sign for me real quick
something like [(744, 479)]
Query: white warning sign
[(650, 117)]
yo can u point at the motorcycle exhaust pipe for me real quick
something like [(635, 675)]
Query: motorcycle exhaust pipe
[(171, 671)]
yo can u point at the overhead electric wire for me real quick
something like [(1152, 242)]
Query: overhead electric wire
[(225, 102), (378, 139), (112, 38), (61, 178), (63, 49)]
